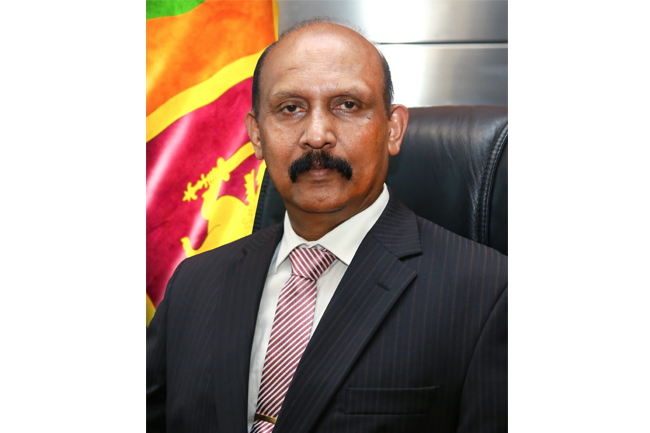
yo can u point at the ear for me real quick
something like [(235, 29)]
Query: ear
[(253, 129), (397, 123)]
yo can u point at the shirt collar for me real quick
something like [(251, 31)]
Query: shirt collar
[(343, 241)]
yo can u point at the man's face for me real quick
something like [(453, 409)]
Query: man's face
[(321, 96)]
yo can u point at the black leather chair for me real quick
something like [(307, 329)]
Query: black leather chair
[(452, 170)]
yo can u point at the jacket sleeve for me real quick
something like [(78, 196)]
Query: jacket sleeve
[(157, 363), (484, 402)]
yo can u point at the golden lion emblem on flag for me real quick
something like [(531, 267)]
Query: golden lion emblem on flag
[(229, 218)]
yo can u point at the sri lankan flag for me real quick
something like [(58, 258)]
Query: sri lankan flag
[(202, 176)]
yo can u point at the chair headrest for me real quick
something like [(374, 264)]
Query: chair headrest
[(453, 170)]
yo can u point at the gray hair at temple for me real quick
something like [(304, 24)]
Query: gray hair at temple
[(388, 82)]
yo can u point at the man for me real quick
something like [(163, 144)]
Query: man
[(352, 316)]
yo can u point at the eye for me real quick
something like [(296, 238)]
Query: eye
[(348, 105), (291, 108)]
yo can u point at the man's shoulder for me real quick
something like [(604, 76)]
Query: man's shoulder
[(220, 256), (454, 250), (432, 232), (400, 221)]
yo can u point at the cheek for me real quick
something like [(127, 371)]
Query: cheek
[(365, 147), (278, 156), (273, 143), (280, 138)]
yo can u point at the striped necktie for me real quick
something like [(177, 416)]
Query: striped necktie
[(290, 333)]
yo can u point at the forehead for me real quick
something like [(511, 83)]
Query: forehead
[(323, 58)]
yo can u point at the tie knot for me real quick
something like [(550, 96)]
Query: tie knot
[(310, 263)]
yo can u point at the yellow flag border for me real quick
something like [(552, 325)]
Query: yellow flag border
[(276, 15), (151, 310)]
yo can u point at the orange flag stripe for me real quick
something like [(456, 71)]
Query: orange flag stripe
[(185, 50), (201, 94)]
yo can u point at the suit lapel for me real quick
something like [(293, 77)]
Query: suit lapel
[(372, 284), (235, 318)]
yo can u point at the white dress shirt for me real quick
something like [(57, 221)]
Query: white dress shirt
[(343, 241)]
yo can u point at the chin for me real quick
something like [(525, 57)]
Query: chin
[(318, 200), (315, 205)]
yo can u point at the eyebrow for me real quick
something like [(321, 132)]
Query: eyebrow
[(286, 94), (351, 93), (283, 94)]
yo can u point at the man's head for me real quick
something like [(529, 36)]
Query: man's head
[(321, 121), (388, 82)]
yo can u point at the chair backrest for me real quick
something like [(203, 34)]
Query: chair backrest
[(452, 170)]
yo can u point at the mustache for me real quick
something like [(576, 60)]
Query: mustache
[(318, 159)]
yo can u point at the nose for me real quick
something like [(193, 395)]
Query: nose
[(318, 131)]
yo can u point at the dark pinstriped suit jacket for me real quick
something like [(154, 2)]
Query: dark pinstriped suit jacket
[(414, 339)]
